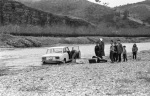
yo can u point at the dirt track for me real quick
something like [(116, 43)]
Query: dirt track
[(130, 78)]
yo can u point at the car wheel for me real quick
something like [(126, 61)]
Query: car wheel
[(64, 61), (44, 63)]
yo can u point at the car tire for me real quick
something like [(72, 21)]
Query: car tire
[(44, 63), (64, 61)]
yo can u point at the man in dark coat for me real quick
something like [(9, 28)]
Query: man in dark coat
[(101, 48), (119, 50), (115, 52), (97, 50)]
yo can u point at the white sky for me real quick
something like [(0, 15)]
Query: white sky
[(113, 3)]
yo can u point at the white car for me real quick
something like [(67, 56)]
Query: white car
[(61, 54)]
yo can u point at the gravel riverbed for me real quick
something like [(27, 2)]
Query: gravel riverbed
[(130, 78)]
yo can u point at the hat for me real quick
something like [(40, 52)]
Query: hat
[(101, 39)]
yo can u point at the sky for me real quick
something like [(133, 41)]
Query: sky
[(113, 3)]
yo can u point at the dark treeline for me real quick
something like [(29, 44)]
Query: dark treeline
[(79, 35)]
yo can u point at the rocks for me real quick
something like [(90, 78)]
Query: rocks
[(103, 79)]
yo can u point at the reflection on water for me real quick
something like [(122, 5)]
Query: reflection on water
[(32, 56)]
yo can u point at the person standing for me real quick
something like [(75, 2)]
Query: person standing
[(115, 52), (134, 51), (124, 54), (112, 52), (101, 48), (119, 50), (97, 50)]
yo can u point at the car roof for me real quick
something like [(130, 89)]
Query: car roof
[(57, 47), (61, 47)]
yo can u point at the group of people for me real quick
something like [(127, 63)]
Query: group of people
[(117, 51)]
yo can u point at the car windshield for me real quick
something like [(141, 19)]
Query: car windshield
[(54, 50)]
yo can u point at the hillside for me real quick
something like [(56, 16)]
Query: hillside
[(78, 8), (91, 12), (13, 12), (73, 18), (140, 10)]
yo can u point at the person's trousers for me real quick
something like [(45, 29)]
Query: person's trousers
[(134, 55), (97, 53), (119, 57), (115, 57), (124, 57)]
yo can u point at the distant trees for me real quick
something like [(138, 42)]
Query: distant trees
[(97, 1)]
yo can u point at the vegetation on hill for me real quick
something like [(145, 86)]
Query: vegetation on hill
[(78, 8), (91, 12), (73, 21), (140, 10), (19, 19)]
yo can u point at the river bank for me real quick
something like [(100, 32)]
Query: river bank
[(9, 41), (103, 79)]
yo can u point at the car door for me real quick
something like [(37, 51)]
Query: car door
[(65, 53), (69, 53)]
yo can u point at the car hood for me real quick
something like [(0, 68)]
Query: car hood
[(52, 54)]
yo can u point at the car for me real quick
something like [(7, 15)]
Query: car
[(61, 54)]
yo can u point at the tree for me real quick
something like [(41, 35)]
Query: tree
[(1, 12)]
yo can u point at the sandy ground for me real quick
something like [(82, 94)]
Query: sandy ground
[(130, 78)]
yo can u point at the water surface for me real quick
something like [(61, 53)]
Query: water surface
[(24, 57)]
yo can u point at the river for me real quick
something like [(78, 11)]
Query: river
[(25, 57)]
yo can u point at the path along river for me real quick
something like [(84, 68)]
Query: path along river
[(25, 57)]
